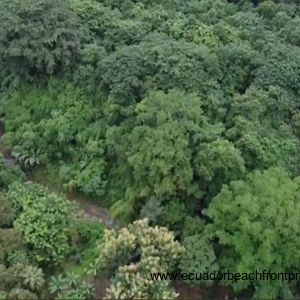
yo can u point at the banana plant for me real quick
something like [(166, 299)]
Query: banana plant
[(33, 277), (28, 158)]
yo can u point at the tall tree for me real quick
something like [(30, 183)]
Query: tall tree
[(38, 37), (256, 221)]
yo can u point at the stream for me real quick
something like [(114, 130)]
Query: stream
[(87, 206), (90, 210)]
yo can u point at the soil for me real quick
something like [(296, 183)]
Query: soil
[(88, 207), (91, 210)]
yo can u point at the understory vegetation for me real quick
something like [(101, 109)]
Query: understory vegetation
[(180, 118)]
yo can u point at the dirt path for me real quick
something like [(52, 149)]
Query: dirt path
[(95, 212), (88, 209)]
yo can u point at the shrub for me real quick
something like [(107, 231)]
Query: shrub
[(85, 235), (27, 159), (43, 221), (8, 172), (58, 125)]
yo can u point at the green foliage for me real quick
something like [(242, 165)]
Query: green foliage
[(8, 172), (158, 62), (90, 178), (43, 221), (199, 257), (196, 33), (70, 286), (38, 37), (7, 213), (33, 277), (88, 230), (173, 151), (131, 253), (281, 68), (257, 222), (174, 215), (218, 162), (17, 190), (238, 62), (170, 101), (292, 31), (59, 124), (261, 128), (20, 294), (90, 55), (192, 226), (114, 27), (28, 159), (11, 242), (21, 281), (19, 256), (3, 295), (152, 210), (91, 13), (85, 236), (267, 9)]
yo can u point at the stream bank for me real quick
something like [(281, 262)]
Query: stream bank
[(88, 208)]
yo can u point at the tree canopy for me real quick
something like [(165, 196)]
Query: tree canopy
[(251, 218), (184, 113)]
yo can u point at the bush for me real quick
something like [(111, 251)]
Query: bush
[(152, 210), (20, 256), (27, 159), (174, 215), (9, 172), (59, 124), (85, 235), (89, 231), (131, 282), (43, 221)]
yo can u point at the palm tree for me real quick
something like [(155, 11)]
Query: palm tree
[(72, 279), (33, 277), (86, 290), (57, 284)]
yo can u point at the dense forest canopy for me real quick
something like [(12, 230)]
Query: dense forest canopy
[(180, 118)]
